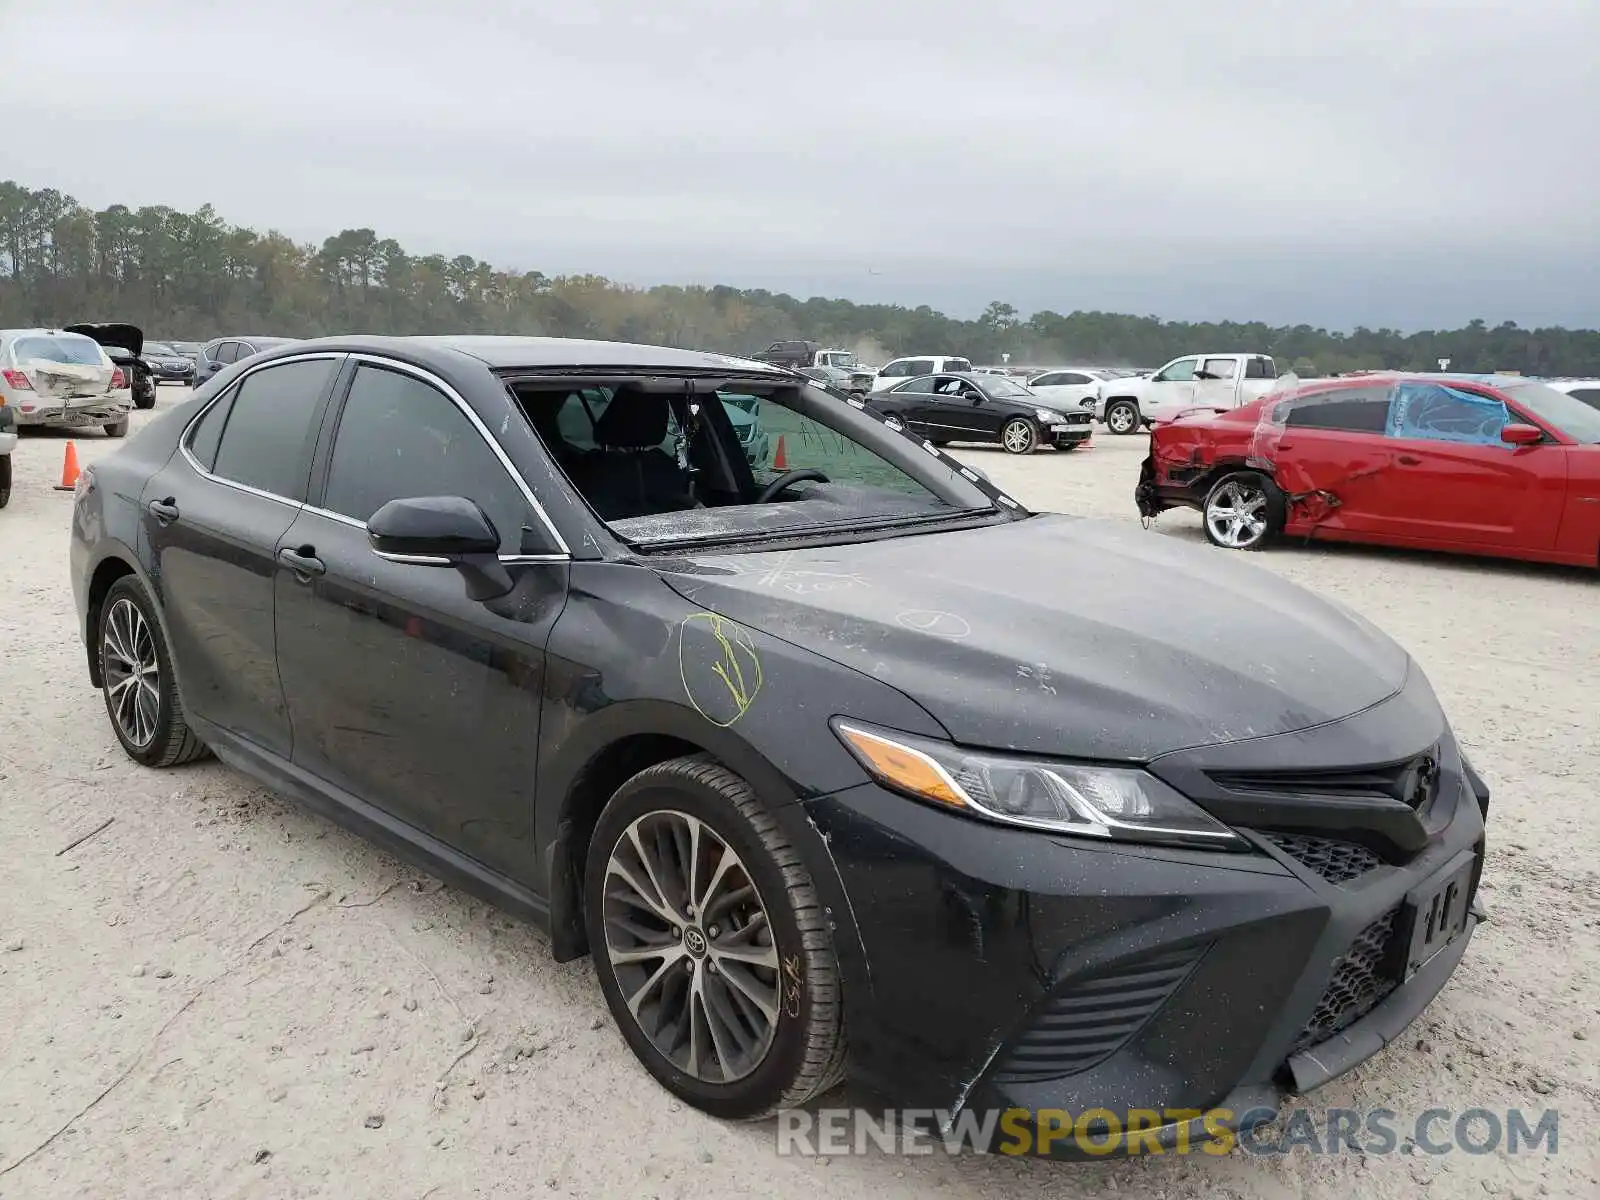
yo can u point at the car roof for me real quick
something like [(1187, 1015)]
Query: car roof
[(17, 333), (508, 352)]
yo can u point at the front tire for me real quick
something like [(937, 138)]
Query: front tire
[(1244, 510), (711, 945), (137, 681), (1122, 417), (1019, 436)]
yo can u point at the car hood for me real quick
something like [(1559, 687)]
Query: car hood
[(111, 333), (1061, 635)]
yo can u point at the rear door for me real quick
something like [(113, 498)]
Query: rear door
[(213, 518), (1455, 481), (1331, 445), (1217, 381)]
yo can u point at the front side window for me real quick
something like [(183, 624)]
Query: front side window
[(668, 465), (1436, 413), (265, 442), (1179, 372), (223, 352), (400, 436)]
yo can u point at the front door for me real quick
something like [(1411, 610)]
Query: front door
[(957, 409), (1330, 448), (1170, 390), (402, 690), (1456, 481), (214, 518)]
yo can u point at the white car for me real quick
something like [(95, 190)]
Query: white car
[(1072, 387), (1587, 390), (49, 377), (915, 367), (1215, 381)]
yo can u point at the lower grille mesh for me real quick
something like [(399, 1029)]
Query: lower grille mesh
[(1336, 861), (1359, 982), (1092, 1016)]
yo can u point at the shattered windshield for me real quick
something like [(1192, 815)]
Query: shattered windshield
[(675, 462), (64, 348), (1567, 413)]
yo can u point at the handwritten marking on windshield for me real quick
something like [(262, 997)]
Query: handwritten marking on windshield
[(722, 664), (939, 624)]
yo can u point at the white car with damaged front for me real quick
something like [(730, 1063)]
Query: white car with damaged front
[(66, 380)]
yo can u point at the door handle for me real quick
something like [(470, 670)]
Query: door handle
[(164, 511), (303, 562), (1285, 445), (1409, 460)]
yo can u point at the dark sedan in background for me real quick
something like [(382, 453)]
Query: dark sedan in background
[(225, 351), (167, 363), (833, 768), (973, 407)]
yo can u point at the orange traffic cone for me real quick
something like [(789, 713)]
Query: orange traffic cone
[(69, 469), (780, 460)]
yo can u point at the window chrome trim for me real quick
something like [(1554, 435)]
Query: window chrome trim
[(188, 430), (430, 560), (460, 402)]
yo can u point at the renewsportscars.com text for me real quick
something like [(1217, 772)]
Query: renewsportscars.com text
[(1099, 1131)]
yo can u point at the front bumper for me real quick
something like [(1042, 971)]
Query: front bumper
[(1006, 969), (166, 374), (1073, 436)]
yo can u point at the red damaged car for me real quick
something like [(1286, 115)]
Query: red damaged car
[(1492, 465)]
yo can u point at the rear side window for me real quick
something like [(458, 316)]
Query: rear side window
[(919, 366), (1260, 368), (399, 436), (1354, 410), (916, 387), (222, 352), (1590, 396), (957, 364), (268, 431), (206, 435)]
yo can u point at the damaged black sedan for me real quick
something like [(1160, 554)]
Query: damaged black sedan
[(823, 752)]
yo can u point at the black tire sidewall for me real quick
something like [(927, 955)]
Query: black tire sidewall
[(1277, 508), (765, 1086), (1124, 406), (5, 480), (127, 588), (1033, 436)]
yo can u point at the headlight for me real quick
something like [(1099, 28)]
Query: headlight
[(1122, 803), (1048, 415)]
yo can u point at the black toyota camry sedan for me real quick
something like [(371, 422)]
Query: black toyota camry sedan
[(970, 406), (832, 763)]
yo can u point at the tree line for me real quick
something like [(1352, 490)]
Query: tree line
[(193, 276)]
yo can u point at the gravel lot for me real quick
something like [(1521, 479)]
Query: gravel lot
[(221, 995)]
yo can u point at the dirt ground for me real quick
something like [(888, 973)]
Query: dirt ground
[(221, 995)]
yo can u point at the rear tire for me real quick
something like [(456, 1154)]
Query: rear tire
[(759, 902), (1122, 417), (137, 682), (143, 401), (5, 480), (117, 429), (1244, 510)]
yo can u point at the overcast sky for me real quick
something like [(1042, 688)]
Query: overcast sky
[(1411, 163)]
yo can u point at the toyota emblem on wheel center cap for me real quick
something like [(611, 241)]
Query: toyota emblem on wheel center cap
[(694, 941)]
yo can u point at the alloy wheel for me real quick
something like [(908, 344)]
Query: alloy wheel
[(691, 945), (1236, 514), (1018, 437), (1121, 418), (132, 672)]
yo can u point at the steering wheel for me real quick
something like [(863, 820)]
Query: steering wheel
[(788, 477)]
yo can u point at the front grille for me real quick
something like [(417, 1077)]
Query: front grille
[(1414, 782), (1360, 980), (1094, 1015), (1336, 861)]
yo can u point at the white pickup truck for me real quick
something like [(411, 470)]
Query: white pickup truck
[(1216, 381)]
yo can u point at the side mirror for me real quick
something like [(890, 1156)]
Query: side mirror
[(1521, 435), (442, 531), (974, 396)]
